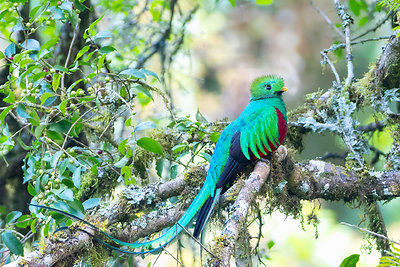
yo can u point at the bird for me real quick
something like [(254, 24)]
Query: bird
[(259, 130)]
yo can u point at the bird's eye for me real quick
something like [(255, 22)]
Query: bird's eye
[(268, 87)]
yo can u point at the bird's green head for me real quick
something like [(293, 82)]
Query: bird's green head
[(266, 87)]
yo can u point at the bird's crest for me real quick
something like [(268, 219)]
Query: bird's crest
[(267, 86)]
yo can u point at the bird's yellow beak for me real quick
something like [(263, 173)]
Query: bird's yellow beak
[(284, 89)]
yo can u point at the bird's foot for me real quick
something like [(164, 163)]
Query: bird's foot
[(281, 153), (265, 160)]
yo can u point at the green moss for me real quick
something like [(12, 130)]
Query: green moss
[(377, 225), (391, 76), (219, 243), (194, 179), (97, 185), (362, 90), (294, 136), (142, 161), (278, 198), (98, 255), (167, 138)]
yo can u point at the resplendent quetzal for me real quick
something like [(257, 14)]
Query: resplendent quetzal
[(258, 131)]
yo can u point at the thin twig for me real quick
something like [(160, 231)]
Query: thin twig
[(196, 240), (169, 253), (343, 45), (379, 24), (326, 59), (59, 147), (370, 232), (91, 150), (347, 20), (73, 125), (333, 26), (112, 120), (68, 56)]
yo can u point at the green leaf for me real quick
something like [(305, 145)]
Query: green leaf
[(76, 177), (150, 73), (4, 113), (200, 117), (354, 7), (81, 52), (12, 243), (66, 194), (31, 190), (159, 166), (233, 2), (60, 68), (133, 73), (151, 145), (179, 148), (363, 21), (206, 156), (46, 229), (50, 43), (55, 158), (55, 136), (73, 85), (102, 35), (44, 97), (214, 136), (126, 171), (94, 23), (106, 49), (101, 62), (10, 98), (21, 111), (121, 146), (128, 122), (10, 50), (13, 216), (378, 6), (31, 44), (350, 261), (145, 125), (122, 162), (174, 171), (23, 221), (34, 10), (56, 82), (91, 203), (33, 224), (263, 2), (39, 131)]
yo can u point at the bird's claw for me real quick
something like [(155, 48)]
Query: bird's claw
[(281, 153), (265, 160)]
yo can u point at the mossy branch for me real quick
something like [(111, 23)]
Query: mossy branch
[(314, 180)]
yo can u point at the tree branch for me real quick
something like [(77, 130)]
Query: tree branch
[(314, 180)]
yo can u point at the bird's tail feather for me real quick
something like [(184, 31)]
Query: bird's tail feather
[(155, 244), (205, 212)]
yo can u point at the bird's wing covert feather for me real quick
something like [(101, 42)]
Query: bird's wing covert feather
[(259, 134)]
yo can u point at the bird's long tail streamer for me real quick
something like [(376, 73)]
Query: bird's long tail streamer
[(152, 245)]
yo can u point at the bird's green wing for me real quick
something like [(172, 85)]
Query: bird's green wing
[(262, 134)]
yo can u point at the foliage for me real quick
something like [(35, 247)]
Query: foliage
[(350, 261), (392, 4), (66, 104), (392, 258)]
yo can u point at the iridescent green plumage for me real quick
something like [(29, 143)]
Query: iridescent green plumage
[(258, 130)]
